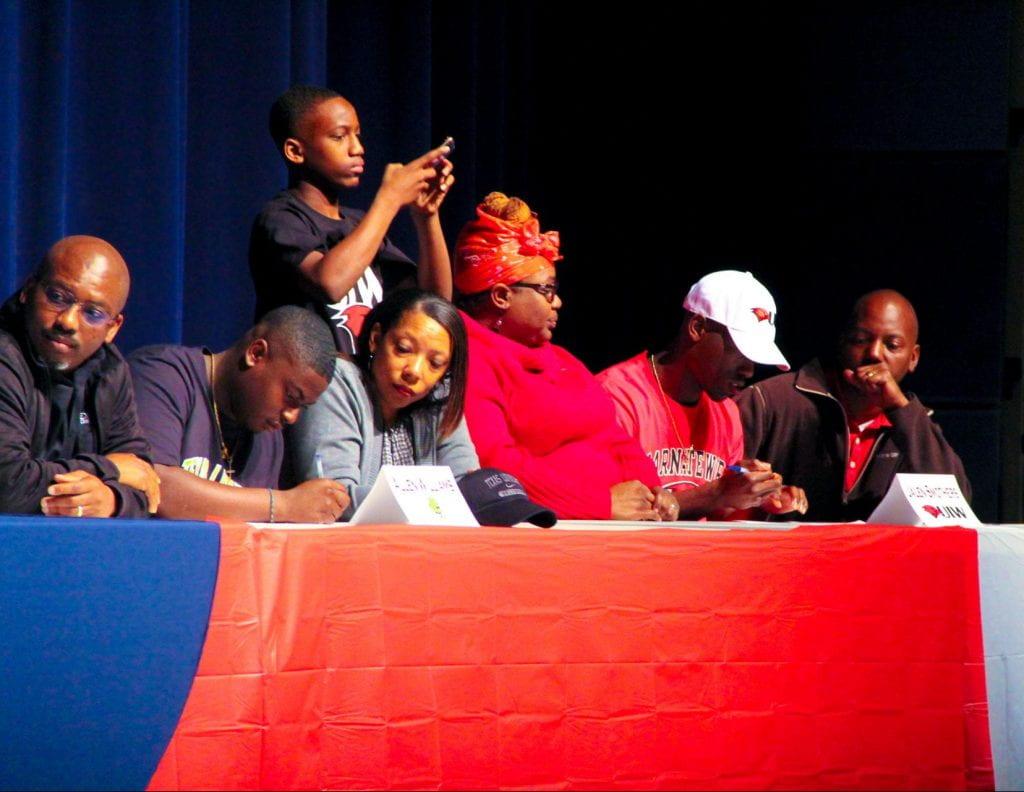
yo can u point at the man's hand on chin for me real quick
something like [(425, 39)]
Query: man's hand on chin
[(876, 384)]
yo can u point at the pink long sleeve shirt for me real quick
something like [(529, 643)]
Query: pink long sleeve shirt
[(539, 414)]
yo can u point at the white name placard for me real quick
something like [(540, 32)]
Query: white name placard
[(924, 499), (414, 495)]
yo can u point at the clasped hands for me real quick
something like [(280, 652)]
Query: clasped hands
[(78, 493)]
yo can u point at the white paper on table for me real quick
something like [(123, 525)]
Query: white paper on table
[(414, 495), (924, 499)]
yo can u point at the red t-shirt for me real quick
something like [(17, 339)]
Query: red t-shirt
[(689, 445)]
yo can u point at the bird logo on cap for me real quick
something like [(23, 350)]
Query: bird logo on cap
[(763, 314)]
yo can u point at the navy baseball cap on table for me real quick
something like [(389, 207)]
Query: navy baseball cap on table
[(497, 498)]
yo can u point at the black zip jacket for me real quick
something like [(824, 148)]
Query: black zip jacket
[(793, 422), (102, 420)]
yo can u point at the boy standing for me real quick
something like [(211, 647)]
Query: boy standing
[(307, 249)]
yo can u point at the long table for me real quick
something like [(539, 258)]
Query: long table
[(403, 657), (400, 657)]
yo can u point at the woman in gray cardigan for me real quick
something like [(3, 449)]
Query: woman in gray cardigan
[(399, 401)]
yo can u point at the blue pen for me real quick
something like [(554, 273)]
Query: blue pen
[(737, 469), (319, 465)]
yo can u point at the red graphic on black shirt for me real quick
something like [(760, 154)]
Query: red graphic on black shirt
[(349, 313), (352, 319)]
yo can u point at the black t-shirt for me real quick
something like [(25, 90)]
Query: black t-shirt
[(172, 396), (285, 232)]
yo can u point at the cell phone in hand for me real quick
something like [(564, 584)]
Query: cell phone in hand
[(450, 143)]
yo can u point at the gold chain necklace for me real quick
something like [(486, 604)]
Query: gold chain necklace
[(225, 455), (665, 404)]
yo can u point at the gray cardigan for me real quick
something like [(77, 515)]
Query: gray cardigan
[(347, 430)]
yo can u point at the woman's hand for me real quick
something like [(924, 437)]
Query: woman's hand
[(631, 500)]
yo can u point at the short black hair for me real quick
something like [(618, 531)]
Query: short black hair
[(289, 108), (450, 394), (301, 335)]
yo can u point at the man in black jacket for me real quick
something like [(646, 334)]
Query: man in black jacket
[(844, 429), (70, 441)]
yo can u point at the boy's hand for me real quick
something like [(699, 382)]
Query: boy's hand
[(313, 501), (78, 494), (666, 504), (429, 201), (787, 499), (403, 184), (745, 490)]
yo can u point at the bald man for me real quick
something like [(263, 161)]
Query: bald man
[(844, 428), (70, 441)]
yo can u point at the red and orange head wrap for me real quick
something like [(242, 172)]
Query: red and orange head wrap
[(504, 244)]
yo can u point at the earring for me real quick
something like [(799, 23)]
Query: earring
[(497, 325)]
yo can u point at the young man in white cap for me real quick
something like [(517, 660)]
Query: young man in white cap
[(678, 404)]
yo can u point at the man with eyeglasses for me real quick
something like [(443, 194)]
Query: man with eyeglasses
[(678, 403), (70, 441)]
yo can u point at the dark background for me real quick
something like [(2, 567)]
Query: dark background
[(829, 148)]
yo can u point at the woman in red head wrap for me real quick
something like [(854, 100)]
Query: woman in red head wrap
[(532, 408)]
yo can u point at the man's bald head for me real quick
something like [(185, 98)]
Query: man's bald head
[(74, 301), (887, 302), (882, 329), (93, 255)]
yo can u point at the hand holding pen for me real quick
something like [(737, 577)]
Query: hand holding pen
[(778, 499)]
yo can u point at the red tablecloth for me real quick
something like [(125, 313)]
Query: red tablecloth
[(398, 657)]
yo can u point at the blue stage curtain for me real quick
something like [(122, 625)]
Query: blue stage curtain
[(145, 123)]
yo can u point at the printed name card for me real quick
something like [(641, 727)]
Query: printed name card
[(924, 499), (414, 495)]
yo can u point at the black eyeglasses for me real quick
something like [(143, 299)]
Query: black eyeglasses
[(62, 300), (546, 290)]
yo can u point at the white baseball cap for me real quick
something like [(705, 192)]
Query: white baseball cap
[(738, 301)]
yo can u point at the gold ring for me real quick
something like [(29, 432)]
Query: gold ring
[(81, 511)]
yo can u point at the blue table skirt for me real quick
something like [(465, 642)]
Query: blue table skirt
[(103, 623)]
